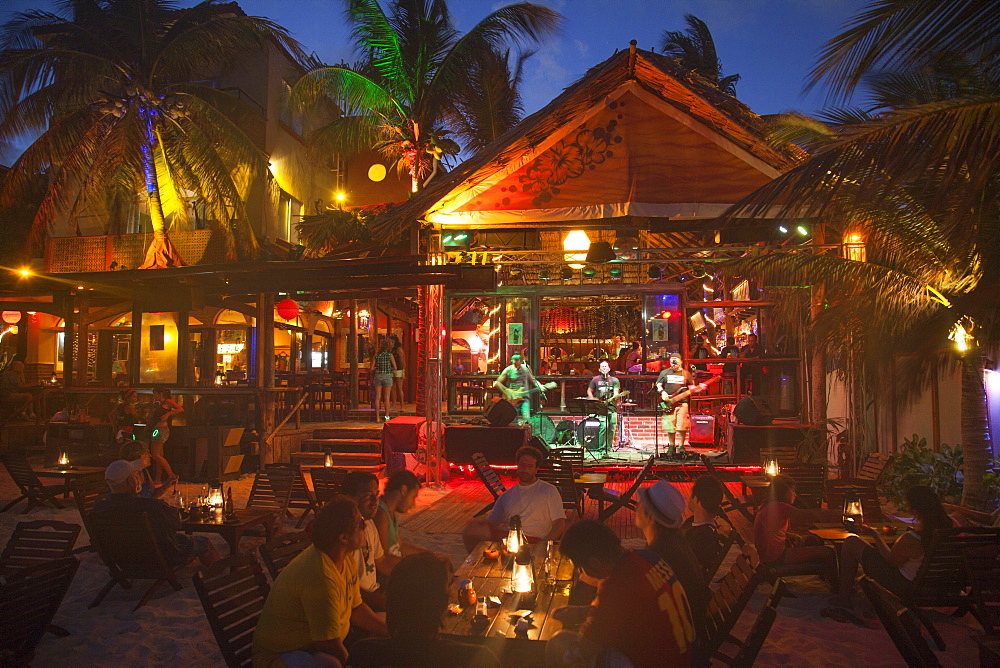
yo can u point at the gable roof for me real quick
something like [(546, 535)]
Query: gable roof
[(636, 135)]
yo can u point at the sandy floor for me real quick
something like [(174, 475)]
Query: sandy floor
[(172, 630)]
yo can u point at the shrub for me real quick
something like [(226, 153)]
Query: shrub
[(916, 464)]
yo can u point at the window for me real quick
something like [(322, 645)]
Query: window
[(289, 212), (292, 121)]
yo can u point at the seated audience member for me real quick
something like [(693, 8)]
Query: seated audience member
[(316, 598), (659, 517), (372, 561), (399, 496), (12, 386), (640, 614), (893, 568), (700, 529), (135, 450), (775, 540), (124, 478), (537, 502), (417, 600)]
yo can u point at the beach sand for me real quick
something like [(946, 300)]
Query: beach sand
[(172, 630)]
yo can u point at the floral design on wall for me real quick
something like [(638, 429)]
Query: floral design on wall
[(569, 159)]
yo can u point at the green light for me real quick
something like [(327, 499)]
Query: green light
[(156, 432), (589, 272), (801, 229), (461, 237), (447, 240), (616, 271)]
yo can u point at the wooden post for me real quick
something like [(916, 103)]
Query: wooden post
[(935, 410), (135, 344), (82, 347), (817, 360), (352, 355), (266, 397), (432, 309), (69, 332)]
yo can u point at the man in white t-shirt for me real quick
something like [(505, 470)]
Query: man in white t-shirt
[(535, 501), (363, 488)]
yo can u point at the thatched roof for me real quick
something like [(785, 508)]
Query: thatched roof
[(635, 136)]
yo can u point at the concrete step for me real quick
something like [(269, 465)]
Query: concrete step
[(349, 460), (374, 432), (341, 444)]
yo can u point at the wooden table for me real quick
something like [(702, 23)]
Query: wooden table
[(232, 532), (593, 482), (837, 534), (68, 473), (491, 577)]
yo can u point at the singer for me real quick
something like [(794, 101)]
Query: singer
[(606, 387)]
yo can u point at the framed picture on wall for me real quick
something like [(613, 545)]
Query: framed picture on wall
[(659, 329), (515, 334)]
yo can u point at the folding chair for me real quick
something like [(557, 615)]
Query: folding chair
[(617, 500), (37, 542), (300, 497), (490, 479), (326, 482), (27, 481), (272, 490), (983, 567), (726, 606), (232, 593), (560, 471), (750, 647), (29, 600), (900, 623), (729, 500), (128, 547), (279, 552)]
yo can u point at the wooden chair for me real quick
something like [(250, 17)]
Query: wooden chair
[(326, 482), (873, 468), (810, 483), (942, 580), (786, 455), (900, 623), (300, 497), (232, 593), (490, 479), (272, 490), (128, 547), (836, 490), (750, 646), (983, 567), (37, 542), (29, 600), (560, 471), (728, 540), (32, 489), (729, 500), (726, 606), (278, 552), (618, 501)]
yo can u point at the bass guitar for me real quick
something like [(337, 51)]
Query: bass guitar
[(669, 401), (517, 396)]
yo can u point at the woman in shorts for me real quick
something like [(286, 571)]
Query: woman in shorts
[(164, 409), (399, 373), (384, 366)]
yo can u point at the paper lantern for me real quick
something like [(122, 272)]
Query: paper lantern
[(11, 317), (287, 308)]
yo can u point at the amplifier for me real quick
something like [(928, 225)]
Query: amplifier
[(702, 429)]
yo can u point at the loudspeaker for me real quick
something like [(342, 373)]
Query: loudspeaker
[(702, 429), (753, 411), (539, 444), (747, 442), (500, 413), (498, 444)]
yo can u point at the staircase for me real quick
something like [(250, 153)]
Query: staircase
[(355, 448)]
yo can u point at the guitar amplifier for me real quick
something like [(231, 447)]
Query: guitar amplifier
[(702, 429)]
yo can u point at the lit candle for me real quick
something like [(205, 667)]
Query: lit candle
[(514, 538), (328, 460), (771, 467), (63, 459)]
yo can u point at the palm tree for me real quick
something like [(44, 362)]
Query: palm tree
[(490, 103), (918, 176), (110, 85), (403, 101), (695, 49)]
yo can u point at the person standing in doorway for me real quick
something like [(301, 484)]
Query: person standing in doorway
[(164, 408), (384, 367), (398, 391)]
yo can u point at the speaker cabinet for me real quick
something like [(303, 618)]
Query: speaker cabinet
[(754, 411), (747, 442), (702, 429), (498, 444), (500, 413)]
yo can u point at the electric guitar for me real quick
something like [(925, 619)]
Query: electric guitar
[(612, 402), (517, 396), (670, 400)]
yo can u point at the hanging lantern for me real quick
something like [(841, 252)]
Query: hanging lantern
[(515, 539), (11, 317), (771, 467), (364, 319), (854, 515), (522, 578), (287, 308)]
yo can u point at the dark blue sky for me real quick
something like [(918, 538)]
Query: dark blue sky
[(772, 43)]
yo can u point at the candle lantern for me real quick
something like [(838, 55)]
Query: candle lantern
[(515, 539), (328, 459), (854, 514), (55, 379), (522, 578), (771, 467), (63, 459), (220, 378), (215, 498)]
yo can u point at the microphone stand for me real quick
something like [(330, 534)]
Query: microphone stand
[(656, 421)]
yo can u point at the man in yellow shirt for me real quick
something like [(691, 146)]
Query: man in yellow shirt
[(316, 598)]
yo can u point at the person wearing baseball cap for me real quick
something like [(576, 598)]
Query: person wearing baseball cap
[(124, 479), (659, 517)]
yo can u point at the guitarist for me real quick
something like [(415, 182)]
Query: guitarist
[(606, 387), (676, 422), (515, 382)]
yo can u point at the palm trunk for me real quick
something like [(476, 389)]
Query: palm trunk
[(976, 446), (161, 253)]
